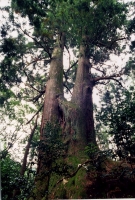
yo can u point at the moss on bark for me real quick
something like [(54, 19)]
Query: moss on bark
[(72, 186)]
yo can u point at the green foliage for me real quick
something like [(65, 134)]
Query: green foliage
[(131, 26), (112, 12), (130, 65), (9, 172), (53, 151), (48, 19), (118, 117), (11, 180), (52, 154), (5, 94), (12, 50), (91, 150)]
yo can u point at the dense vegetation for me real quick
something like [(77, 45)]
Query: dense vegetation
[(71, 148)]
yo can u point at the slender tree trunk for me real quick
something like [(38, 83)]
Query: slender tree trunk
[(24, 164), (23, 168)]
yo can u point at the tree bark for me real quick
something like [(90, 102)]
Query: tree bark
[(82, 97), (78, 130), (78, 114), (51, 113), (54, 86)]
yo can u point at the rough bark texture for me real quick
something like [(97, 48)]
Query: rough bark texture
[(78, 130), (78, 113), (54, 87), (51, 113), (82, 97)]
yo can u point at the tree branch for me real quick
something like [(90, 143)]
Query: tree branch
[(31, 86), (35, 115), (35, 40), (117, 81), (102, 71), (26, 75), (65, 75), (106, 77), (41, 92), (71, 66), (109, 44), (35, 99), (36, 59), (67, 88)]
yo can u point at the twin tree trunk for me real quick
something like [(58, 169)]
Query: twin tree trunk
[(51, 113), (82, 97), (75, 117)]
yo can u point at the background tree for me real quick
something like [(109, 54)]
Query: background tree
[(117, 116)]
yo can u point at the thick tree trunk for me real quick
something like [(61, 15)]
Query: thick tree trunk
[(77, 116), (54, 87), (51, 113), (79, 128), (78, 113), (82, 97)]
